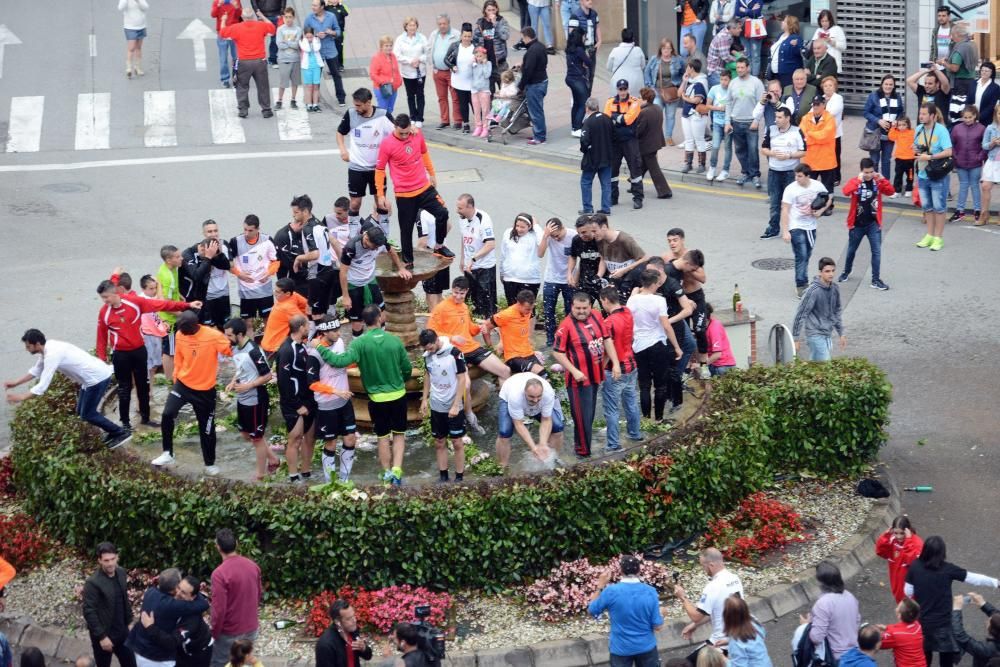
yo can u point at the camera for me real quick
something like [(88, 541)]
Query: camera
[(431, 641)]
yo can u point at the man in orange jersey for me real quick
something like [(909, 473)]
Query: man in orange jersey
[(287, 304), (515, 324), (452, 318), (195, 369)]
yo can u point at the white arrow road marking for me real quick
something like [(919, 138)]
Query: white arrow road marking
[(160, 118), (93, 121), (25, 132), (197, 32), (7, 38), (93, 45), (226, 125), (293, 124)]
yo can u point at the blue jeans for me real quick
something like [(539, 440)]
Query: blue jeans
[(534, 93), (587, 186), (688, 346), (383, 103), (227, 58), (820, 347), (745, 141), (550, 297), (505, 424), (803, 242), (854, 238), (669, 117), (752, 47), (698, 30), (272, 49), (88, 403), (648, 659), (933, 194), (579, 86), (713, 79), (716, 371), (566, 8), (719, 137), (968, 179), (883, 157), (542, 17), (621, 392), (777, 181)]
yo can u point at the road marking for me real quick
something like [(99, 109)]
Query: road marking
[(93, 45), (7, 38), (226, 126), (24, 134), (197, 32), (160, 118), (174, 159), (293, 124), (93, 121)]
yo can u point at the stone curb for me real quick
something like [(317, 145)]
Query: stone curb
[(587, 651)]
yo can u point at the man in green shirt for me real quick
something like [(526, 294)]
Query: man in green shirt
[(168, 276), (385, 367)]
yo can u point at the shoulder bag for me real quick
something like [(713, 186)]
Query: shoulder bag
[(940, 168), (871, 140), (668, 91)]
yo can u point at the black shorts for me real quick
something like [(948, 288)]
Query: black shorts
[(331, 424), (477, 356), (216, 312), (699, 320), (522, 364), (437, 283), (291, 417), (358, 304), (252, 419), (388, 416), (259, 307), (168, 343), (360, 182), (445, 426), (321, 290)]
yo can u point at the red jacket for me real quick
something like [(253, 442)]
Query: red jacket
[(882, 185), (385, 69), (899, 555), (249, 37), (122, 324), (232, 11), (907, 643)]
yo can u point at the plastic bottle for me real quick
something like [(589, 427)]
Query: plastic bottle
[(920, 489)]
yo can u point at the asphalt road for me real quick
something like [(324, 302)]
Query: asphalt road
[(70, 219)]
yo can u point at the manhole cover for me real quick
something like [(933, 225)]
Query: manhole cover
[(774, 264), (66, 188)]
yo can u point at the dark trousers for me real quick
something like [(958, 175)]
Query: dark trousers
[(203, 403), (88, 404), (483, 291), (582, 407), (777, 181), (854, 237), (628, 151), (408, 210), (339, 41), (836, 172), (272, 49), (103, 658), (464, 102), (903, 167), (525, 17), (130, 369), (826, 178), (256, 70), (338, 82), (654, 366), (652, 165), (415, 98), (510, 290), (648, 659), (216, 312), (580, 88)]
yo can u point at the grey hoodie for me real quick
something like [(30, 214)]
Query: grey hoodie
[(819, 310)]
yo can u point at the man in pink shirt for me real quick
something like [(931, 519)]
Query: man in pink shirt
[(236, 595), (720, 353), (404, 152)]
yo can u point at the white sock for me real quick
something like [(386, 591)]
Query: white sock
[(354, 223), (346, 463), (329, 462)]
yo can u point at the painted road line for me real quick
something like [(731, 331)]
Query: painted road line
[(197, 32), (24, 134), (173, 159), (93, 121), (226, 125), (92, 38), (160, 118), (293, 124), (7, 38)]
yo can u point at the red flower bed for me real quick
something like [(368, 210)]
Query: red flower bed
[(378, 610), (7, 477), (22, 542), (761, 524), (655, 470)]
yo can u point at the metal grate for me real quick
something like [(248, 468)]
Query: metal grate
[(876, 46), (773, 264)]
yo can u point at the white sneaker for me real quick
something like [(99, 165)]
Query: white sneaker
[(418, 123), (710, 174), (704, 373), (894, 195), (164, 459), (723, 175), (212, 471), (576, 133)]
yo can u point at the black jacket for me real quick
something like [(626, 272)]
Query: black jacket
[(819, 70), (191, 641), (99, 605), (331, 649), (269, 7), (198, 271), (288, 245), (534, 67), (981, 652), (167, 611), (595, 142)]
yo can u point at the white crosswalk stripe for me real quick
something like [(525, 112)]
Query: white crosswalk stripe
[(160, 118), (24, 133), (93, 121), (293, 124), (226, 126)]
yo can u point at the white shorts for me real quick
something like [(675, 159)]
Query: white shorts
[(154, 351), (991, 171)]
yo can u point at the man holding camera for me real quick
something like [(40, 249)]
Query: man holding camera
[(340, 645)]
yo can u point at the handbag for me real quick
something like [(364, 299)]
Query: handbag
[(386, 90), (871, 140), (668, 91), (936, 169), (754, 28)]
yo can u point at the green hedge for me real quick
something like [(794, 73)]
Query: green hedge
[(825, 418)]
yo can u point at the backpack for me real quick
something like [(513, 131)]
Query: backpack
[(804, 651)]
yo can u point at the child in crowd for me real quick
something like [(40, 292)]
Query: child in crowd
[(241, 655), (312, 68), (504, 98), (903, 134), (718, 97), (153, 328), (482, 69), (289, 68)]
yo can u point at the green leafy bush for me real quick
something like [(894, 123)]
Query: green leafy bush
[(488, 535)]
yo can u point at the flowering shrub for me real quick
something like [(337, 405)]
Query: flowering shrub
[(137, 581), (22, 542), (378, 610), (759, 525), (655, 470), (7, 489), (567, 589)]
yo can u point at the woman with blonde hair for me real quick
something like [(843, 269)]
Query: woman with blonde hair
[(835, 107), (384, 72), (710, 657), (410, 49), (786, 53), (663, 74)]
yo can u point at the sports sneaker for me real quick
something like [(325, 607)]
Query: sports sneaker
[(277, 105), (895, 195), (937, 243), (756, 182), (710, 174), (294, 104), (120, 439), (925, 242), (576, 133), (843, 277), (152, 423), (956, 216), (397, 476), (705, 373), (535, 142), (879, 285), (742, 180), (442, 251), (723, 175), (212, 471), (768, 234), (164, 459), (799, 291)]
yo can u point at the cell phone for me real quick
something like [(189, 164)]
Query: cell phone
[(927, 65), (967, 599)]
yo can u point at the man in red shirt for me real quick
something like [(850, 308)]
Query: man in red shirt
[(231, 9), (249, 38), (236, 596), (119, 322), (404, 152), (622, 391), (581, 342), (906, 638)]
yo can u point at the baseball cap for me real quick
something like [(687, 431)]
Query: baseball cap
[(819, 99), (622, 83)]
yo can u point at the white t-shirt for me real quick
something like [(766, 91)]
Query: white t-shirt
[(647, 330), (713, 599), (557, 258), (799, 200), (461, 76), (253, 263), (943, 41), (475, 234), (84, 369), (512, 392)]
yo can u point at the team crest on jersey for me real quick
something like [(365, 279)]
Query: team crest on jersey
[(357, 132), (409, 150)]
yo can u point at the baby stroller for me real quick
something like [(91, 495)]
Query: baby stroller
[(510, 120)]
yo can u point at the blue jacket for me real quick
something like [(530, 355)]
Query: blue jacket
[(855, 658), (873, 110), (578, 65), (789, 55), (751, 653), (750, 9), (327, 45), (676, 70), (167, 611)]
